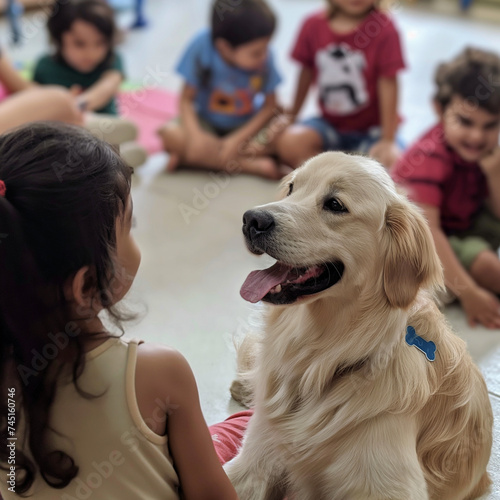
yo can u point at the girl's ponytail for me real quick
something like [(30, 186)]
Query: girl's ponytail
[(18, 309), (63, 192)]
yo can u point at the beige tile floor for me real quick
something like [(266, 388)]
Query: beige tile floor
[(187, 289)]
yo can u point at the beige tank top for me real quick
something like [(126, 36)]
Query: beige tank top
[(119, 456)]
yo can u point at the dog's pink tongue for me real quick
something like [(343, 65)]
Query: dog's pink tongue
[(259, 283)]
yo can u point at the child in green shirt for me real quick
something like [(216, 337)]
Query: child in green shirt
[(84, 34), (54, 69)]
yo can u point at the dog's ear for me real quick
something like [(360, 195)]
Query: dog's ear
[(284, 188), (411, 259)]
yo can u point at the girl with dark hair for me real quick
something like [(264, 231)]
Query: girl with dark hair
[(93, 413), (84, 35)]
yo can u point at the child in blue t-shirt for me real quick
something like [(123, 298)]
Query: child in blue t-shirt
[(228, 99)]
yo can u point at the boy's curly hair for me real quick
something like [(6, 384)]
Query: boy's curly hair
[(474, 74)]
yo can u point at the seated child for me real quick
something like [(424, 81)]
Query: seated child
[(95, 414), (453, 173), (84, 34), (228, 95), (22, 102), (352, 51)]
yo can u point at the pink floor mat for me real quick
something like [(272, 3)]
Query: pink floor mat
[(148, 109)]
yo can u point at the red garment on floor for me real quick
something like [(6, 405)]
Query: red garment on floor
[(228, 435)]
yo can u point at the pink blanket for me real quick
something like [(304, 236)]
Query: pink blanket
[(148, 109)]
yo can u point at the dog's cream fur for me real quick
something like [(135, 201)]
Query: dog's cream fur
[(345, 409)]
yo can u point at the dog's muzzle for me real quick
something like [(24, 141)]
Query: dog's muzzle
[(283, 283)]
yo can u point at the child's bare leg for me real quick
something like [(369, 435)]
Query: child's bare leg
[(173, 137), (200, 151), (260, 148), (256, 159), (297, 144), (486, 271), (263, 166), (207, 156), (39, 103)]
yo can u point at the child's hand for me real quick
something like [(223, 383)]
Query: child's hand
[(77, 110), (490, 164), (481, 307), (385, 151), (80, 102), (79, 115), (75, 90), (279, 123)]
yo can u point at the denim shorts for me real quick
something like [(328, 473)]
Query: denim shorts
[(333, 140)]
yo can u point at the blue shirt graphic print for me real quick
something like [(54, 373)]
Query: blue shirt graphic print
[(227, 97)]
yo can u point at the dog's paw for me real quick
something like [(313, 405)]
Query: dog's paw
[(242, 392)]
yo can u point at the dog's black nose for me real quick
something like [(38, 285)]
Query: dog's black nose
[(256, 222)]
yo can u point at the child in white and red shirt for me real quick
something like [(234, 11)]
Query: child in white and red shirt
[(353, 53)]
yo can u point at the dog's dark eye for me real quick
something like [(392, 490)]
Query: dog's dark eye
[(334, 205), (290, 189)]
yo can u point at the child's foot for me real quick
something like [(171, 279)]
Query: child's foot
[(263, 167), (173, 162), (109, 128), (133, 154)]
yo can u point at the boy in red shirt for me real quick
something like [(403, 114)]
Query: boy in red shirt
[(352, 51), (453, 173)]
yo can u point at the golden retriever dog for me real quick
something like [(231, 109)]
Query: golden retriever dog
[(361, 390)]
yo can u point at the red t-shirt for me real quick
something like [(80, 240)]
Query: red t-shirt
[(347, 67), (434, 174)]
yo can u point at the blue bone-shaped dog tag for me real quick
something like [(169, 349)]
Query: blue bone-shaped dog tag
[(428, 348)]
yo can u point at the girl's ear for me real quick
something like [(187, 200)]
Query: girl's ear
[(78, 287)]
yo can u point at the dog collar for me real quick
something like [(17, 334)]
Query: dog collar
[(428, 348)]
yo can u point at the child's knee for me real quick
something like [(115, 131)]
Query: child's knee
[(297, 144), (172, 137), (62, 103), (471, 251), (484, 263)]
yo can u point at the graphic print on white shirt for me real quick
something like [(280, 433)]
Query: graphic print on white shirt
[(341, 82)]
